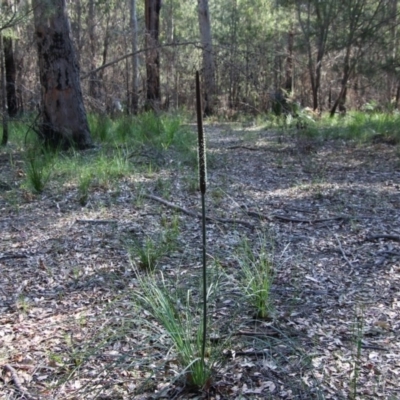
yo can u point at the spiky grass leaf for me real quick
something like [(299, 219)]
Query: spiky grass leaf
[(257, 277), (179, 321)]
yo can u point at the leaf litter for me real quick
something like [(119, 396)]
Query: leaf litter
[(69, 328)]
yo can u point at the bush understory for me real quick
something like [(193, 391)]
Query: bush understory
[(148, 154)]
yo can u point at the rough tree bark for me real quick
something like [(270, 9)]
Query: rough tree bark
[(152, 18), (63, 116), (208, 57)]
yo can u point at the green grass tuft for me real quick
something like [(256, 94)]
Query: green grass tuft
[(257, 277), (39, 167), (181, 324)]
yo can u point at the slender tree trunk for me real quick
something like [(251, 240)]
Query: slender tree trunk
[(4, 140), (94, 83), (125, 38), (11, 75), (10, 69), (397, 98), (232, 63), (208, 57), (306, 28), (135, 57), (105, 46), (321, 43), (169, 66), (393, 9), (289, 63), (318, 70), (325, 13), (152, 19), (63, 115), (341, 99), (78, 28)]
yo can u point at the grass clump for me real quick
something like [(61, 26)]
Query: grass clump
[(256, 277), (101, 168), (84, 183), (39, 165), (181, 322), (100, 127), (159, 131), (149, 252), (360, 126)]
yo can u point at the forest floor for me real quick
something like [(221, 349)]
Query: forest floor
[(327, 210)]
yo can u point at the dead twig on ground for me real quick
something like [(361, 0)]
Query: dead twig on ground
[(244, 148), (294, 219), (198, 215), (10, 256), (17, 382), (382, 236), (96, 221)]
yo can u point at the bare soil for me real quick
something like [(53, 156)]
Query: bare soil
[(329, 210)]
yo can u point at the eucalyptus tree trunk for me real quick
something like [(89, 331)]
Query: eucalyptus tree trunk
[(208, 57), (152, 19), (63, 116), (135, 57)]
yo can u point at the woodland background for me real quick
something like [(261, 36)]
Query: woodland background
[(319, 52), (302, 201)]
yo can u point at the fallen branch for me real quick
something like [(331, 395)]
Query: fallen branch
[(10, 256), (232, 354), (243, 147), (389, 253), (294, 219), (96, 221), (17, 382), (198, 215), (268, 332), (386, 237)]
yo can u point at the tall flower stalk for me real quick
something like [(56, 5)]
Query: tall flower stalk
[(202, 182)]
